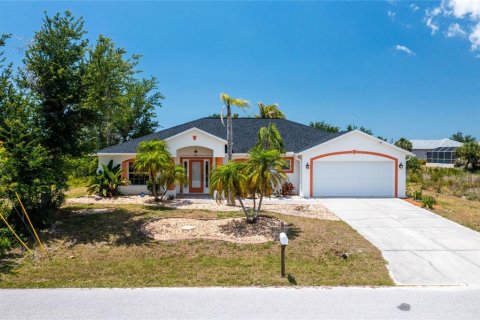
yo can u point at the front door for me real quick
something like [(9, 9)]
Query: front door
[(196, 176)]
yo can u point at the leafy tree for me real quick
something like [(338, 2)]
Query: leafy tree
[(228, 103), (269, 112), (154, 158), (27, 167), (404, 143), (218, 116), (53, 73), (352, 127), (135, 116), (458, 136), (469, 154), (264, 171), (106, 182), (107, 74), (322, 125), (270, 138)]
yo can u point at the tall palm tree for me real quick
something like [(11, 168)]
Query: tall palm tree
[(264, 170), (154, 158), (269, 112), (270, 138), (229, 180), (228, 102)]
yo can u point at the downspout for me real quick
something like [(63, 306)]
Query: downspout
[(296, 157)]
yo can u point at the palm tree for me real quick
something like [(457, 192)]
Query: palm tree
[(264, 170), (154, 158), (172, 174), (269, 112), (229, 179), (270, 138), (228, 103)]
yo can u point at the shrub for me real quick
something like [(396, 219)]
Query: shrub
[(429, 202), (106, 182), (417, 195), (287, 189), (5, 241)]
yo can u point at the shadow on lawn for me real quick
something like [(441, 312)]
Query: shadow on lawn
[(8, 262), (118, 227)]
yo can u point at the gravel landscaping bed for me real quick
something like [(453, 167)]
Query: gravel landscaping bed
[(230, 230), (296, 206)]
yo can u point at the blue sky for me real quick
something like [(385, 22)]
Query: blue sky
[(400, 68)]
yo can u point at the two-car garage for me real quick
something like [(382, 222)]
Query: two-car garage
[(354, 165), (353, 178)]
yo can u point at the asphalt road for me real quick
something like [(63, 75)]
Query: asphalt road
[(243, 303)]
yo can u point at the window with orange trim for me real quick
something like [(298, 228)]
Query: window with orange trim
[(289, 166), (136, 178)]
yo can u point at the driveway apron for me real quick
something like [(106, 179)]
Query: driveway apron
[(421, 248)]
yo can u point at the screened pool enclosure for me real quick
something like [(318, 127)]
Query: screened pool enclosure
[(442, 155)]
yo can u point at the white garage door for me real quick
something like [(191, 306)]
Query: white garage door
[(353, 179)]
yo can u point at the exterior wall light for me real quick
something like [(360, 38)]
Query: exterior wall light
[(307, 166), (195, 152), (400, 165)]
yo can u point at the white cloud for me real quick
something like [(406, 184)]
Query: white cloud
[(475, 37), (405, 50), (414, 7), (462, 8), (391, 14), (463, 17), (430, 15), (455, 30)]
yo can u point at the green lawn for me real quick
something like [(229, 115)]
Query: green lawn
[(109, 250)]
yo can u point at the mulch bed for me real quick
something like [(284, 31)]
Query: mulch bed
[(265, 226)]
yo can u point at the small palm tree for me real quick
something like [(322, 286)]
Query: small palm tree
[(154, 158), (264, 170), (228, 103), (269, 112), (270, 138), (172, 174), (229, 180)]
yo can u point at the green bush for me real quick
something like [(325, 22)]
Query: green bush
[(5, 241), (106, 182), (429, 202), (417, 195)]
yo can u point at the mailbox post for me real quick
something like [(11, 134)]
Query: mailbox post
[(283, 243)]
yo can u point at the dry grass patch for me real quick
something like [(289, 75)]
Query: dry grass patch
[(463, 211), (108, 249)]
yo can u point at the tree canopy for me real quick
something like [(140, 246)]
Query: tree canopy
[(404, 144)]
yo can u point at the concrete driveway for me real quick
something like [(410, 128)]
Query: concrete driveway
[(421, 247)]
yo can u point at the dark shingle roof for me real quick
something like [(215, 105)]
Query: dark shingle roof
[(296, 136)]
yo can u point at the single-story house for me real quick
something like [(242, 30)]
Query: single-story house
[(437, 153), (320, 164)]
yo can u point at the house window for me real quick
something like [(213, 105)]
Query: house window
[(288, 168), (136, 178)]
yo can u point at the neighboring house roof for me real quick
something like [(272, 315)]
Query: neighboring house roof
[(296, 136), (433, 144)]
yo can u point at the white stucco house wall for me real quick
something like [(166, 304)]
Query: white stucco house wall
[(321, 164)]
